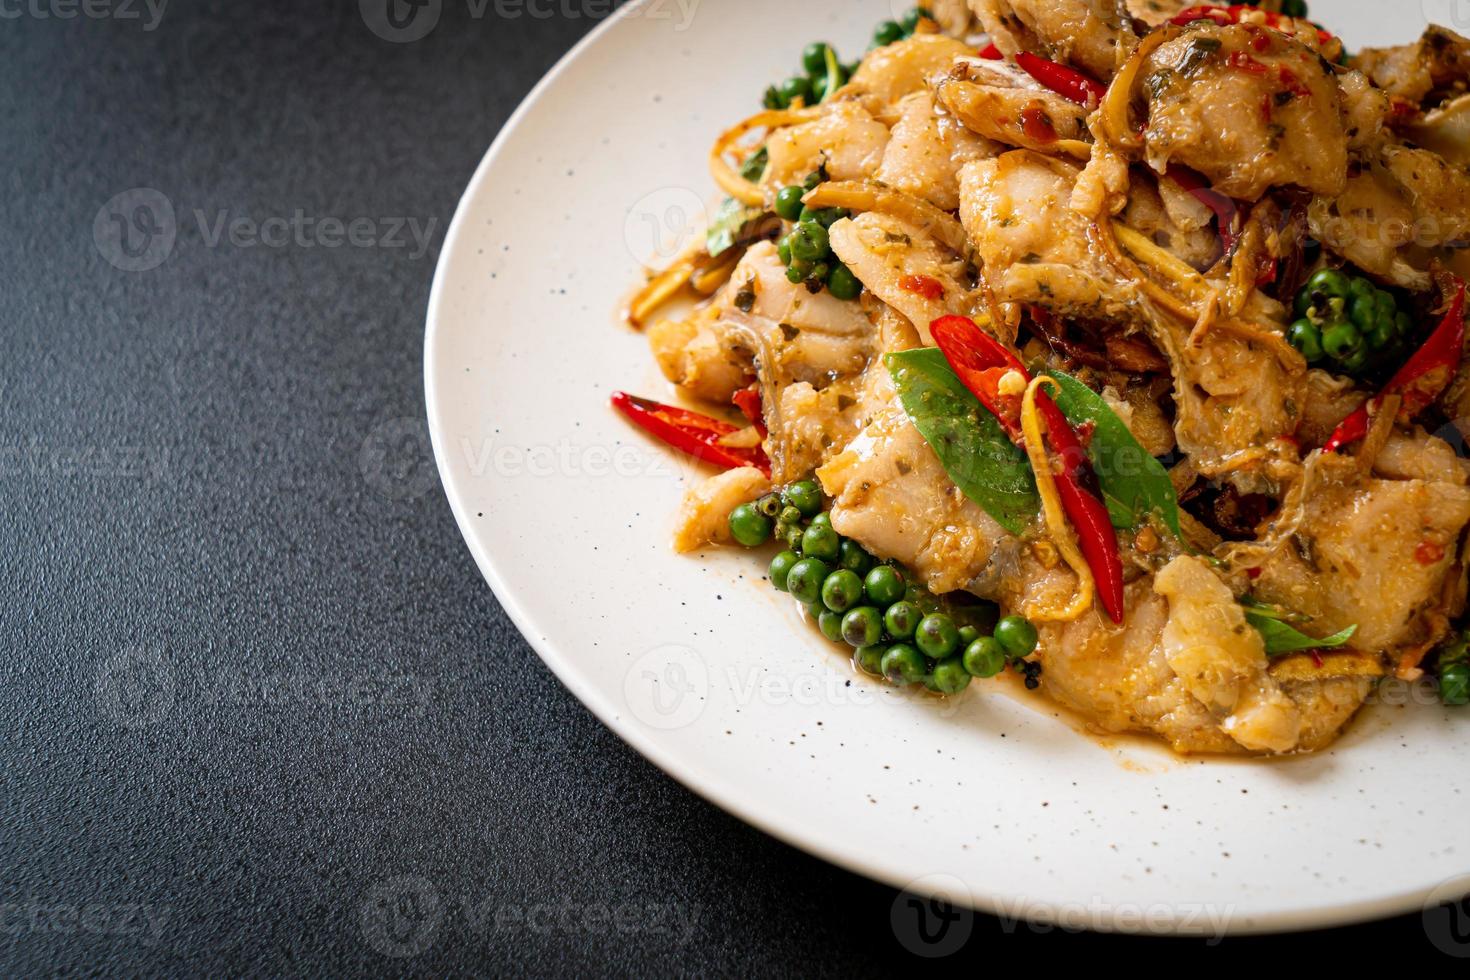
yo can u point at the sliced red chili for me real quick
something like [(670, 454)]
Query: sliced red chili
[(1037, 124), (980, 361), (1422, 378), (1227, 212), (925, 286), (1067, 82), (690, 432), (1237, 13), (748, 400)]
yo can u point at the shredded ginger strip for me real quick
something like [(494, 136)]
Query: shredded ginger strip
[(1051, 505)]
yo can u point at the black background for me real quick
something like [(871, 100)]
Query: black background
[(253, 683)]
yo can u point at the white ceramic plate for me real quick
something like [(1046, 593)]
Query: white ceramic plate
[(702, 667)]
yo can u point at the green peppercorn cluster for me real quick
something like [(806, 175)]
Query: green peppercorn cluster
[(824, 73), (897, 630), (1454, 670), (1349, 323), (890, 31), (807, 251)]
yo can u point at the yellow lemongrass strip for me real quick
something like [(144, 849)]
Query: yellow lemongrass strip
[(856, 195), (1115, 122), (1244, 267), (1207, 316), (1101, 234), (1194, 285), (1378, 433), (706, 281), (1288, 356), (1051, 505), (1080, 149), (725, 173), (659, 290)]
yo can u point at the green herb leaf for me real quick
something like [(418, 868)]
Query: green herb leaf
[(1134, 484), (968, 440), (729, 221), (754, 167), (1282, 637)]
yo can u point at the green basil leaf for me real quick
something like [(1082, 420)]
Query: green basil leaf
[(968, 440), (727, 224), (1134, 484), (1282, 637), (754, 167)]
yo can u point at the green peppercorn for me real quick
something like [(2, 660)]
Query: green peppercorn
[(937, 636), (814, 58), (805, 496), (1017, 635), (901, 619), (950, 676), (821, 542), (842, 590), (902, 664), (804, 580), (985, 657), (809, 242), (1341, 340), (1454, 684), (843, 285), (780, 567), (749, 526), (886, 33), (1305, 337), (862, 627), (788, 202), (770, 505), (797, 87), (884, 585), (854, 557), (870, 659), (830, 623)]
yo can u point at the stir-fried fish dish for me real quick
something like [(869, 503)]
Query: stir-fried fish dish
[(1114, 346)]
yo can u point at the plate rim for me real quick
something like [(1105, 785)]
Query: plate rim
[(708, 785)]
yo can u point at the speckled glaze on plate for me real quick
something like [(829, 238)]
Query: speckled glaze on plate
[(996, 800)]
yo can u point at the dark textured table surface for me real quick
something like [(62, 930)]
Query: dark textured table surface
[(259, 710)]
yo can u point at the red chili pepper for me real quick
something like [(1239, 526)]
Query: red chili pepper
[(925, 286), (1227, 212), (1420, 381), (1067, 82), (1037, 125), (1236, 13), (690, 432), (748, 400), (980, 361), (990, 52), (1429, 552)]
